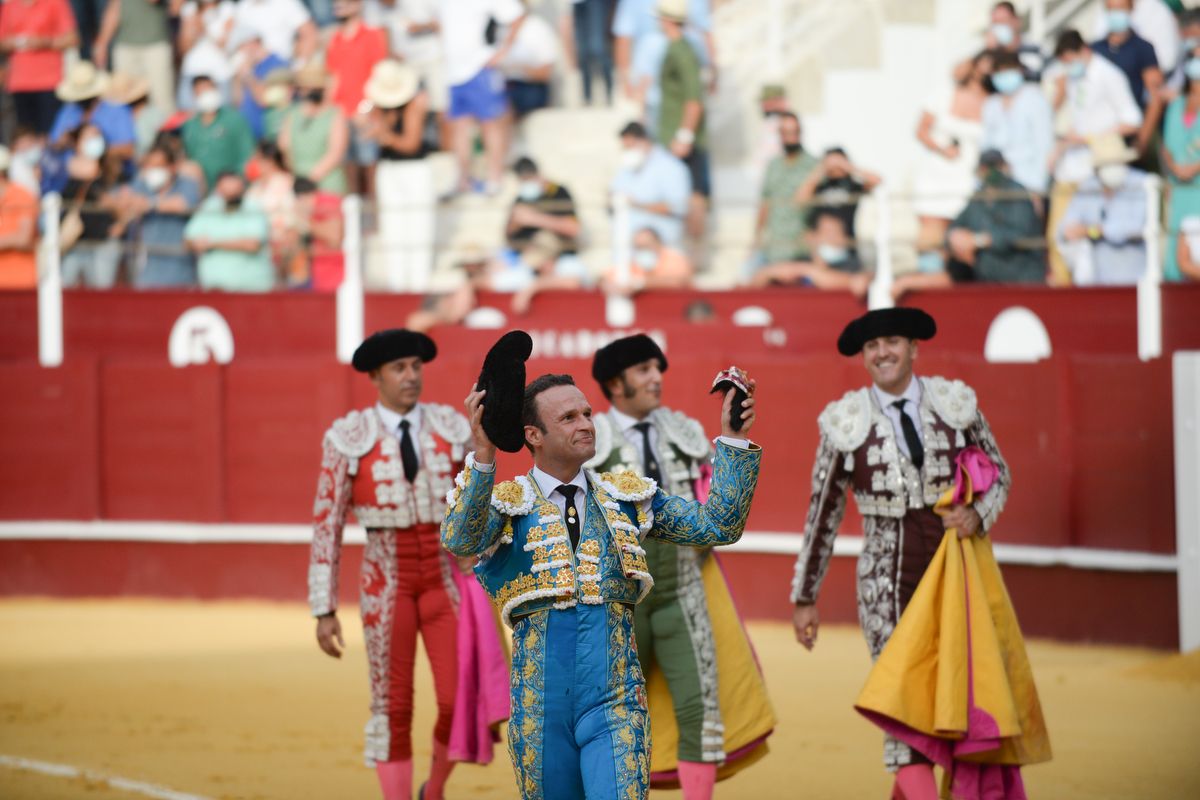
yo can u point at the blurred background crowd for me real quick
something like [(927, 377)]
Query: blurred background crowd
[(214, 144)]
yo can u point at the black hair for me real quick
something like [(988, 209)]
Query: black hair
[(650, 231), (1069, 41), (1007, 6), (525, 166), (792, 115), (303, 186), (1004, 59), (270, 151), (819, 213), (529, 409), (163, 149), (837, 150), (199, 78), (635, 129)]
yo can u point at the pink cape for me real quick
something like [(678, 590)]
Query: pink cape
[(481, 701)]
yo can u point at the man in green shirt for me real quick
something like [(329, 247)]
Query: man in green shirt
[(781, 214), (217, 136), (229, 234), (681, 126), (140, 35)]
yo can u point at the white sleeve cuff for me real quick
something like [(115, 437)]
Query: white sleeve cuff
[(475, 465), (741, 444)]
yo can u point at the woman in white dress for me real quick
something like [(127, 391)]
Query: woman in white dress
[(950, 131)]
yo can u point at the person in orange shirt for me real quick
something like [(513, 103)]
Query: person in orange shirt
[(655, 266), (18, 231)]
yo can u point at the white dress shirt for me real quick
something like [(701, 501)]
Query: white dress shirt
[(634, 436), (913, 408), (1097, 103), (391, 423), (549, 486)]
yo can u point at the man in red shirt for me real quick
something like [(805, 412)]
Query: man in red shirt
[(354, 49), (34, 34), (320, 217)]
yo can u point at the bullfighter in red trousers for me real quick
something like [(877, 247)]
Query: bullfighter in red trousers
[(392, 464)]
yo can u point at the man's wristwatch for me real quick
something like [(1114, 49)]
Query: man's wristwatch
[(685, 136)]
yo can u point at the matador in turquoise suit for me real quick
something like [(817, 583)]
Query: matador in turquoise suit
[(560, 554)]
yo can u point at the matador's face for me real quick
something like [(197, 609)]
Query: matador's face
[(640, 389), (399, 383), (567, 434), (889, 361)]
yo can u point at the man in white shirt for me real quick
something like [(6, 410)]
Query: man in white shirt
[(1096, 101), (529, 65), (285, 26), (473, 50)]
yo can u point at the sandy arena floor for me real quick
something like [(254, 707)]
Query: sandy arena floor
[(233, 700)]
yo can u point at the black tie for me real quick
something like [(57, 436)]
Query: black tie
[(408, 454), (915, 451), (648, 460), (568, 491)]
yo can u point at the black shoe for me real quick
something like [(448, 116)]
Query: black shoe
[(421, 791)]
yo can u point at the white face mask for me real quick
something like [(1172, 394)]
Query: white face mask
[(93, 147), (208, 101), (1113, 175), (831, 254), (1003, 34), (529, 190), (633, 158), (156, 178), (646, 259)]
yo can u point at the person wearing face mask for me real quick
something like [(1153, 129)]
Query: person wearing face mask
[(779, 230), (230, 235), (655, 266), (206, 42), (82, 93), (315, 135), (1136, 59), (998, 236), (656, 184), (1181, 159), (216, 137), (1003, 35), (541, 205), (1018, 121), (93, 258), (837, 185), (1094, 100), (833, 266), (25, 157), (161, 201), (262, 83), (1189, 43), (18, 230), (1156, 22), (1101, 235)]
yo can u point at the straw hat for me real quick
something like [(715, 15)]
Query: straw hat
[(312, 75), (391, 84), (674, 10), (82, 82), (125, 89), (1111, 149)]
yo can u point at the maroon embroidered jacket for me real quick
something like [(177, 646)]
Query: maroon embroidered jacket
[(361, 471), (858, 451)]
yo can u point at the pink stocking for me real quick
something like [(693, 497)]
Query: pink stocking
[(697, 780), (439, 772), (395, 779), (915, 782)]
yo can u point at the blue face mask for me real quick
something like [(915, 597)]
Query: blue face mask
[(1118, 21), (1008, 81), (1003, 35), (832, 254), (1191, 68), (930, 262), (1190, 44), (1076, 70), (646, 259)]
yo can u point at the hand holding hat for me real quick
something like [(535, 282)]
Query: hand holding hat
[(495, 402), (737, 412)]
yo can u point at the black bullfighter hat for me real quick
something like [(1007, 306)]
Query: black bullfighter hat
[(383, 346), (503, 378), (615, 357), (911, 323)]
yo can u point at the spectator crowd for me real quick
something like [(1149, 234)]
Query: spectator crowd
[(209, 143)]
